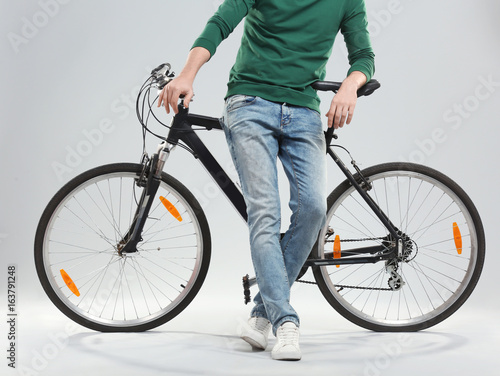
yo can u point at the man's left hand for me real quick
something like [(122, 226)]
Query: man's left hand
[(344, 102)]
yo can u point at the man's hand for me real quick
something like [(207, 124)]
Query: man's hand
[(170, 94), (183, 84), (344, 102)]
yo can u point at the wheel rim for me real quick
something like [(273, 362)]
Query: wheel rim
[(435, 275), (129, 290)]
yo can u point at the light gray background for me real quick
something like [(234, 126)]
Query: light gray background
[(67, 66)]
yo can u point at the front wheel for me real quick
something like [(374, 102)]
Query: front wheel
[(442, 259), (78, 243)]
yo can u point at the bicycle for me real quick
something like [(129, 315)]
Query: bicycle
[(126, 247)]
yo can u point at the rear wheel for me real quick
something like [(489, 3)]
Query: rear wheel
[(77, 251), (443, 258)]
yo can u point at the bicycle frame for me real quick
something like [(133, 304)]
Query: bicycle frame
[(181, 130)]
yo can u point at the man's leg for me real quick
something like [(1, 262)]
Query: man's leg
[(302, 152), (303, 155), (253, 130)]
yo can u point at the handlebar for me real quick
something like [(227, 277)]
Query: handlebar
[(161, 76), (365, 90)]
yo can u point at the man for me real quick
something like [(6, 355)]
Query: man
[(271, 112)]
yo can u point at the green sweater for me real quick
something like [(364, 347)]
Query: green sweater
[(286, 45)]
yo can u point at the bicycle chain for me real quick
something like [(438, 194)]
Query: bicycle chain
[(348, 286), (356, 240)]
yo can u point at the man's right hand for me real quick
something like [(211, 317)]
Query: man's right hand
[(169, 96), (183, 83)]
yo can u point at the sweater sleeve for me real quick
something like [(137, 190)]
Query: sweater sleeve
[(222, 23), (354, 28)]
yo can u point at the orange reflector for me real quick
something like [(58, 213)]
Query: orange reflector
[(336, 248), (171, 208), (458, 238), (69, 282)]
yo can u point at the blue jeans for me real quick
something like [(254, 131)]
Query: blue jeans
[(258, 132)]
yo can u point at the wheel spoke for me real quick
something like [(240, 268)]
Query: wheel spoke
[(435, 275), (130, 290)]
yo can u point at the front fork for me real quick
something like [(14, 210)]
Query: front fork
[(150, 180)]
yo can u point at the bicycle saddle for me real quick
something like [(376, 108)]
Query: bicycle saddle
[(366, 89)]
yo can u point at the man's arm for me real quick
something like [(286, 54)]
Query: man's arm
[(361, 59), (218, 28), (183, 83)]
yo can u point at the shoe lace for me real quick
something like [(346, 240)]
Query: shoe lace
[(289, 334), (261, 324)]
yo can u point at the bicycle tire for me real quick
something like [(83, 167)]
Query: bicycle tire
[(426, 205), (78, 233)]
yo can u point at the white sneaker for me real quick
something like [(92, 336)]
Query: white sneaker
[(287, 342), (257, 332)]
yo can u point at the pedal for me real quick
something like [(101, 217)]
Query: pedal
[(247, 283)]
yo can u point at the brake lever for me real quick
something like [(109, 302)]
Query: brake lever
[(329, 135), (165, 67), (162, 75)]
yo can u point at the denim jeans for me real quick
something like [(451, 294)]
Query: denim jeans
[(258, 132)]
